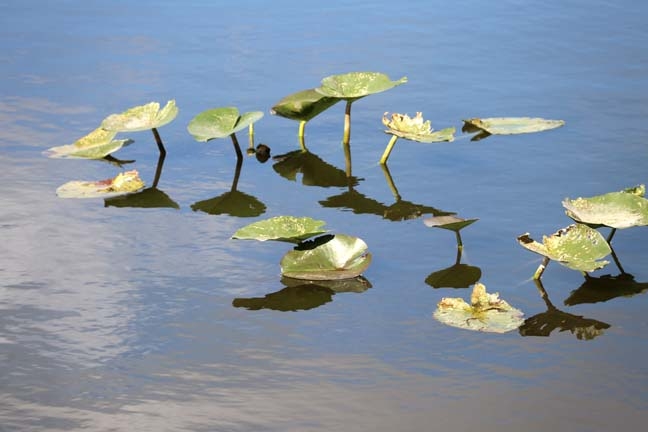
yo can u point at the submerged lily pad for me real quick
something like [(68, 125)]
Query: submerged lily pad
[(123, 183), (415, 129), (577, 247), (619, 210), (142, 117), (355, 85), (281, 228), (341, 257), (486, 312), (513, 125), (220, 123), (303, 105), (96, 145)]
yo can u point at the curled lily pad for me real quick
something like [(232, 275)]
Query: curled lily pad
[(449, 222), (220, 123), (142, 117), (577, 247), (96, 145), (486, 312), (341, 257), (355, 85), (619, 210), (281, 228), (124, 183), (415, 129), (303, 105), (513, 125)]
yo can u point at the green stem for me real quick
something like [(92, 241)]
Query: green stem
[(388, 149), (302, 127), (541, 268), (251, 139), (302, 144), (237, 148), (158, 141), (346, 140)]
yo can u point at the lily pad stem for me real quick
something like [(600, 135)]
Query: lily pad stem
[(388, 149), (237, 148), (459, 242), (158, 141), (612, 232), (347, 123), (541, 268), (302, 127)]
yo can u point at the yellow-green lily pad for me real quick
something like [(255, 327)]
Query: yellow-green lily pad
[(142, 117), (415, 128), (96, 145), (124, 183), (513, 125), (281, 228), (619, 210), (220, 123), (355, 85)]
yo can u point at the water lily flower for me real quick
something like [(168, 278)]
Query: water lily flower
[(413, 129)]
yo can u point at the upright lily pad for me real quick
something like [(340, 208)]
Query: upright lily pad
[(355, 85), (486, 312), (303, 105), (220, 123), (123, 183), (342, 257), (142, 117), (577, 247), (281, 228), (449, 222), (513, 125), (618, 210), (96, 145)]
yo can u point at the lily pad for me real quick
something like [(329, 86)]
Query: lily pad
[(619, 210), (281, 228), (303, 105), (355, 85), (96, 145), (341, 257), (415, 129), (577, 247), (486, 312), (514, 125), (142, 117), (449, 222), (220, 123), (123, 183)]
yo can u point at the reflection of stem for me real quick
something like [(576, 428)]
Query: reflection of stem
[(237, 173), (390, 182), (459, 251), (541, 268), (237, 148), (459, 242), (302, 143), (388, 149), (616, 261), (158, 141), (302, 126), (609, 239), (347, 158), (158, 169), (543, 294)]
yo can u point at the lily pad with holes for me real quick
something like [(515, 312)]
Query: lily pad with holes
[(355, 85), (619, 210), (303, 105), (577, 247), (220, 123), (281, 228), (341, 257), (142, 117), (96, 145), (513, 125), (124, 183), (486, 312)]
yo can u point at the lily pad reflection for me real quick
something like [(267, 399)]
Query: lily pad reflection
[(292, 298), (314, 170), (604, 288)]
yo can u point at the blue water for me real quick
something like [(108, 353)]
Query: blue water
[(122, 318)]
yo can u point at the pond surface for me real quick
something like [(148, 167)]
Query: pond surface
[(119, 316)]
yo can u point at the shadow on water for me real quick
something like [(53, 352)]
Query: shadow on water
[(604, 288), (456, 276), (302, 295)]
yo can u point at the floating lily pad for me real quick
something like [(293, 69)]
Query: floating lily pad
[(303, 105), (577, 247), (142, 117), (96, 145), (619, 210), (342, 257), (220, 123), (449, 222), (486, 312), (355, 85), (123, 183), (513, 125), (415, 129), (281, 228)]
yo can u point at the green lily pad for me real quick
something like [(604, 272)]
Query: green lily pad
[(124, 183), (355, 85), (96, 145), (449, 222), (220, 123), (281, 228), (303, 105), (341, 257), (415, 129), (513, 125), (142, 117), (486, 312), (619, 210), (577, 247)]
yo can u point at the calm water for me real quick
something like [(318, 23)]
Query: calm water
[(122, 318)]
